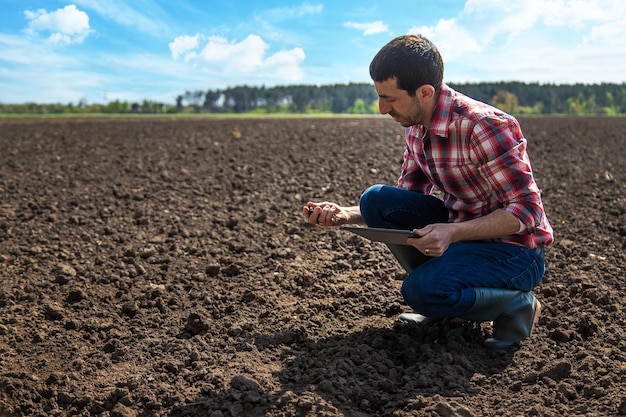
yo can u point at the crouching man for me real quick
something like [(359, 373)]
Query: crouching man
[(480, 250)]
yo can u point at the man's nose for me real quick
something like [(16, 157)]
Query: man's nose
[(383, 108)]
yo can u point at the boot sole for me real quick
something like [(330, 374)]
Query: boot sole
[(536, 318)]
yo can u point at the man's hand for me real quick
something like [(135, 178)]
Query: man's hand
[(330, 214), (435, 238)]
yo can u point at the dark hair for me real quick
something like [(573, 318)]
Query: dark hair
[(412, 60)]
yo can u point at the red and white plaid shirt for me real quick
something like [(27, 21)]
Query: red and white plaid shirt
[(476, 156)]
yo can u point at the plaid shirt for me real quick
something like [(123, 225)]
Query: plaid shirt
[(476, 156)]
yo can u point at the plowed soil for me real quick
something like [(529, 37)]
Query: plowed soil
[(162, 268)]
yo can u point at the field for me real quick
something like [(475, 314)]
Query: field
[(162, 268)]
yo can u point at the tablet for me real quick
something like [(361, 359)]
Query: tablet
[(395, 236)]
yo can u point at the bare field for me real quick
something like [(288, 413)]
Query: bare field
[(161, 268)]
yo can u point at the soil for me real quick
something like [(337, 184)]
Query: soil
[(161, 267)]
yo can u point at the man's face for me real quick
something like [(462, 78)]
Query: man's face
[(404, 109)]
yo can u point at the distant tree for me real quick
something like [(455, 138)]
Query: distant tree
[(359, 107), (576, 105), (374, 107), (116, 107), (210, 100), (506, 101), (194, 99), (513, 97), (339, 104)]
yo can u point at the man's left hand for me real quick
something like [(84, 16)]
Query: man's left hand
[(435, 238)]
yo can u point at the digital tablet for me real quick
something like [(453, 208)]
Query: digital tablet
[(396, 236)]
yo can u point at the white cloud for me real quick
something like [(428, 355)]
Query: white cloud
[(286, 64), (371, 28), (36, 83), (284, 13), (244, 56), (609, 32), (182, 45), (18, 51), (220, 56), (123, 13), (575, 13), (491, 18), (563, 41), (66, 26), (451, 39)]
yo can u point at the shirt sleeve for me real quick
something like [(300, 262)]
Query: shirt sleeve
[(499, 150)]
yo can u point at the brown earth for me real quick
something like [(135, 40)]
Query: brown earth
[(161, 267)]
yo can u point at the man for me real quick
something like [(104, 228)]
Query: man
[(480, 250)]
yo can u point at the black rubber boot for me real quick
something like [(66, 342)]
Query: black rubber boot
[(513, 312)]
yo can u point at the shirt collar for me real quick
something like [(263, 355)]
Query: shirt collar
[(443, 111)]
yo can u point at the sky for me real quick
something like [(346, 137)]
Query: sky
[(97, 51)]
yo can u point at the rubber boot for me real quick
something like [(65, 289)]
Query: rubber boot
[(513, 312)]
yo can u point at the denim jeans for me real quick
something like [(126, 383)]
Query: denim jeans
[(443, 286)]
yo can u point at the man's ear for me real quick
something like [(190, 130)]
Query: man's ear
[(425, 92)]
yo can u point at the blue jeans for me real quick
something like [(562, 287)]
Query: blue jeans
[(443, 286)]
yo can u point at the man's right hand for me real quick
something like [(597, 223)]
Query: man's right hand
[(323, 214), (331, 214)]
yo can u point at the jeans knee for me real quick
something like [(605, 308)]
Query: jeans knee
[(432, 300), (370, 195), (369, 203), (414, 296)]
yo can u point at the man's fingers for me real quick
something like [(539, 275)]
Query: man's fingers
[(325, 216), (315, 216)]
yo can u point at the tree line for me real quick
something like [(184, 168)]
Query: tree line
[(356, 98)]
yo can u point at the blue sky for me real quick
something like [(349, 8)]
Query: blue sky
[(102, 50)]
